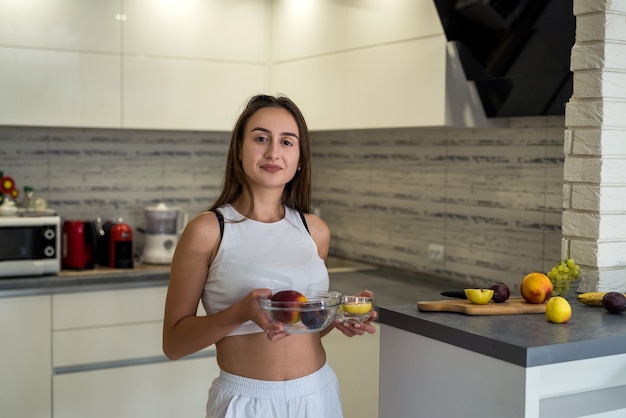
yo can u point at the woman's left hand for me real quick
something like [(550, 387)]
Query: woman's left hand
[(359, 329)]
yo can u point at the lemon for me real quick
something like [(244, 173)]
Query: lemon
[(558, 310), (479, 296), (357, 308)]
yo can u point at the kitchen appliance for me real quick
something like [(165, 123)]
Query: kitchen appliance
[(115, 245), (30, 246), (163, 227), (79, 245)]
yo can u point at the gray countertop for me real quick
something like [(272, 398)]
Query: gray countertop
[(85, 280), (526, 340)]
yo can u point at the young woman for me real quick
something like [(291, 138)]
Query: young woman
[(258, 238)]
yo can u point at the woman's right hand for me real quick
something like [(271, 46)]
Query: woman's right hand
[(251, 310)]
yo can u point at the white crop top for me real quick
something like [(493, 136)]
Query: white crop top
[(279, 255)]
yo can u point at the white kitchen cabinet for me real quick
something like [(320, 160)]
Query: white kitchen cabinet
[(59, 88), (374, 65), (69, 25), (187, 66), (164, 93), (316, 28), (355, 361), (158, 390), (25, 355), (131, 63), (60, 63), (219, 30), (108, 360), (396, 85)]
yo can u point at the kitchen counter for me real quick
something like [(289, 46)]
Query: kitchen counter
[(100, 278), (451, 364), (504, 366), (142, 275), (525, 340)]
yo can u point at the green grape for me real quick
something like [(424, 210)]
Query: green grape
[(562, 273)]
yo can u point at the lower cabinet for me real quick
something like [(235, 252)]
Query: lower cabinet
[(165, 389), (25, 354), (107, 359), (355, 361)]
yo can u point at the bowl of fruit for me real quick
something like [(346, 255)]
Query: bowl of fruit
[(565, 276), (299, 313)]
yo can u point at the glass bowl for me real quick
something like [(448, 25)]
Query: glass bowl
[(314, 315), (355, 309), (564, 288)]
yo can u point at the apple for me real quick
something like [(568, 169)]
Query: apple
[(558, 310), (536, 288), (501, 292), (290, 301)]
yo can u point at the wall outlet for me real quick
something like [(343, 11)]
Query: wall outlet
[(436, 253)]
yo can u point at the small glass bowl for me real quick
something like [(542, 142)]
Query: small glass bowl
[(355, 309), (314, 315), (564, 288)]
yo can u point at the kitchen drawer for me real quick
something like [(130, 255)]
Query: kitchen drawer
[(109, 307), (102, 345), (160, 390)]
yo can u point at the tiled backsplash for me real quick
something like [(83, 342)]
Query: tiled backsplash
[(492, 197), (78, 171)]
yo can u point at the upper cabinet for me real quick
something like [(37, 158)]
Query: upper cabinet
[(131, 63), (303, 29), (192, 64), (365, 64), (60, 63)]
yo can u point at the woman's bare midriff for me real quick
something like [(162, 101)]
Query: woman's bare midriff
[(249, 355)]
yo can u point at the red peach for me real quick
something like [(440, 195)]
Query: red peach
[(290, 300), (536, 288)]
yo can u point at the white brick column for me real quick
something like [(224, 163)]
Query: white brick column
[(594, 191)]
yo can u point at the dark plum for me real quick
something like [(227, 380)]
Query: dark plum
[(614, 302), (315, 318), (501, 292)]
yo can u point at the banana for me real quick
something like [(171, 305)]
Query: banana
[(592, 298)]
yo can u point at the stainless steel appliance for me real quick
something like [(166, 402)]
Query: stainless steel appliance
[(30, 246)]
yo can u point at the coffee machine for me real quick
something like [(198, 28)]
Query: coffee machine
[(115, 245), (163, 227)]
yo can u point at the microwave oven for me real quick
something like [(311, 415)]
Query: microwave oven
[(29, 246)]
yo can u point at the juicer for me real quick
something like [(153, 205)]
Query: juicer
[(163, 227)]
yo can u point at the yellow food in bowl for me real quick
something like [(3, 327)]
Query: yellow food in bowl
[(357, 308)]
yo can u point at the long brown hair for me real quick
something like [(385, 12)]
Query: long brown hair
[(297, 193)]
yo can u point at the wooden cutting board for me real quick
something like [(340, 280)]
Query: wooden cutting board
[(510, 307)]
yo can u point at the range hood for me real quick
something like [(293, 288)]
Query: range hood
[(515, 52)]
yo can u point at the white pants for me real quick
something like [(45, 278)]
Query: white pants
[(312, 396)]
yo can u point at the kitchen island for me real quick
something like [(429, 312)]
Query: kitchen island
[(442, 364)]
